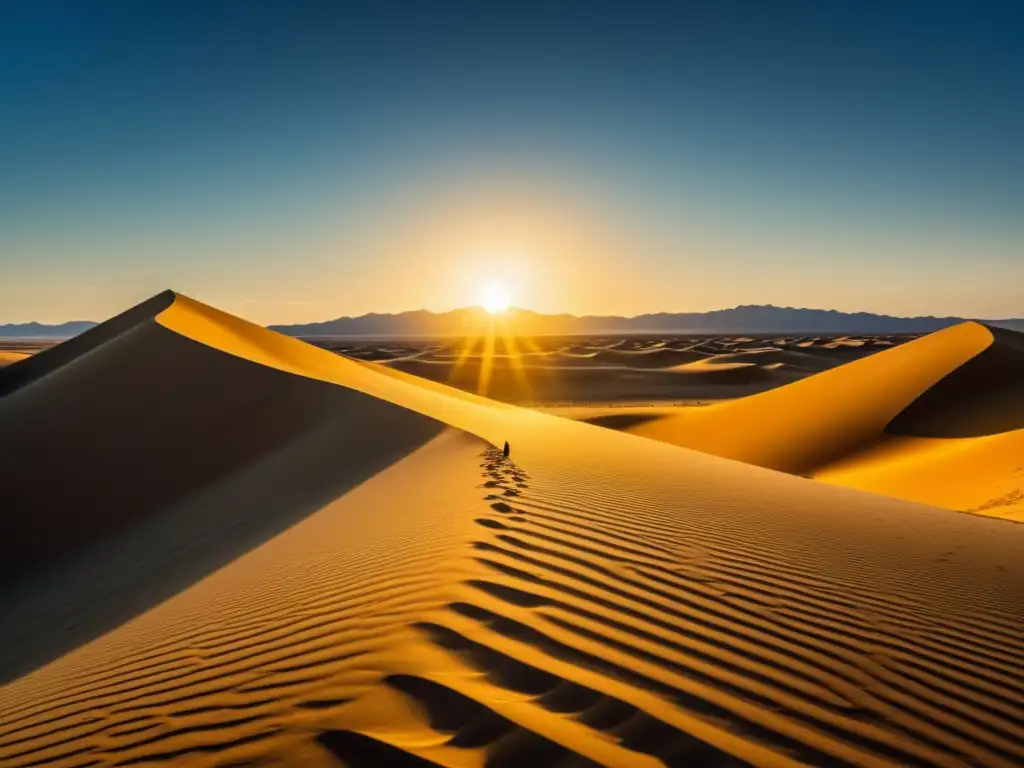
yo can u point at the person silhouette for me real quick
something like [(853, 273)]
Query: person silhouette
[(506, 449)]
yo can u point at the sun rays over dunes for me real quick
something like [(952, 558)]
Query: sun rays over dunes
[(226, 547)]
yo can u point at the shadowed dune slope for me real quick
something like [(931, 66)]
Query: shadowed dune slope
[(239, 338), (145, 430), (49, 360), (982, 397), (596, 599), (820, 419), (144, 417), (654, 358)]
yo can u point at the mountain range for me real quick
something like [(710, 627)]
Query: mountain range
[(755, 319), (746, 319), (43, 331)]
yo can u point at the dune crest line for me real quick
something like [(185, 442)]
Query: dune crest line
[(594, 599)]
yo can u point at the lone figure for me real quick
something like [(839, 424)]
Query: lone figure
[(506, 449)]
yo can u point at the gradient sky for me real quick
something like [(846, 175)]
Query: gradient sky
[(298, 161)]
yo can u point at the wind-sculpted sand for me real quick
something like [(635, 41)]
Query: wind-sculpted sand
[(594, 599), (549, 370), (938, 420)]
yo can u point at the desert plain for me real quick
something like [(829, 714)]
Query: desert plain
[(222, 546)]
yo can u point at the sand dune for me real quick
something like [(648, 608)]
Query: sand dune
[(150, 417), (976, 474), (823, 417), (546, 371), (726, 369), (982, 397), (937, 420), (598, 599), (769, 356)]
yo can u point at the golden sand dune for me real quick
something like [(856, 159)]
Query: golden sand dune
[(597, 599), (960, 444), (974, 474), (818, 419), (938, 420), (727, 369), (769, 356), (148, 417)]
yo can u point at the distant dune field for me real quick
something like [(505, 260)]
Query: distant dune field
[(545, 370), (227, 547)]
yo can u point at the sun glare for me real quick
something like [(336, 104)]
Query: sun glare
[(494, 298)]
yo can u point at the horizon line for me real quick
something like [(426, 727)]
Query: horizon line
[(514, 309)]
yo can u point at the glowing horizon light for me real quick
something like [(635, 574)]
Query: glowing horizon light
[(494, 297)]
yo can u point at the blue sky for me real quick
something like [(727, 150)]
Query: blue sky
[(296, 161)]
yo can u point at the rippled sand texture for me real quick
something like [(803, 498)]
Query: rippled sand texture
[(594, 599)]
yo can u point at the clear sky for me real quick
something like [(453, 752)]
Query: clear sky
[(297, 161)]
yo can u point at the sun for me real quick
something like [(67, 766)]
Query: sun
[(494, 297)]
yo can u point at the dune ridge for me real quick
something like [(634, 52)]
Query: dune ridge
[(938, 420), (52, 358), (596, 599), (192, 433), (812, 421)]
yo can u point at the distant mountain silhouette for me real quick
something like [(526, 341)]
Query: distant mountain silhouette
[(42, 331), (747, 319), (756, 319)]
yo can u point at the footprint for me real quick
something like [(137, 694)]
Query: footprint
[(488, 523)]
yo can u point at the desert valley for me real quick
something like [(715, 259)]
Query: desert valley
[(225, 546), (543, 384)]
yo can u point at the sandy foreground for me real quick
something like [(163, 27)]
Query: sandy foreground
[(223, 547)]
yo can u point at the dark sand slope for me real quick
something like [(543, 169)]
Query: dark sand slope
[(53, 358), (984, 396), (137, 427), (598, 600)]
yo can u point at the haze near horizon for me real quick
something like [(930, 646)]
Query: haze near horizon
[(302, 162)]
